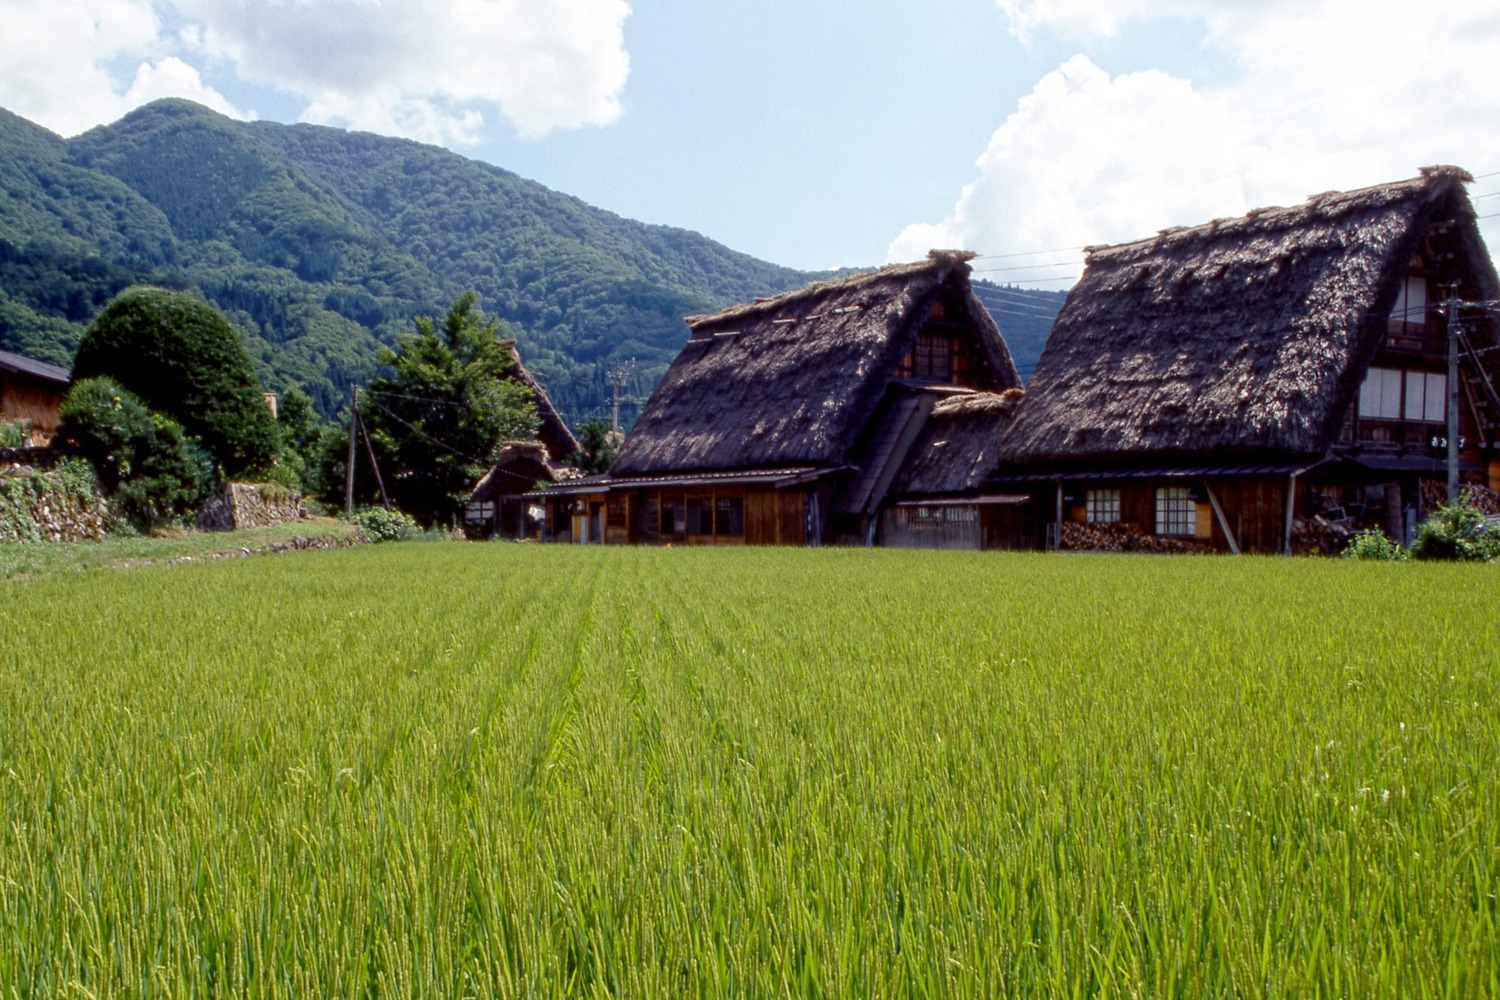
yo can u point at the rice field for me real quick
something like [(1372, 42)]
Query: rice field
[(452, 770)]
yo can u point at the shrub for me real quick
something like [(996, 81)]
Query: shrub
[(1457, 531), (1372, 544), (183, 359), (384, 525), (144, 461), (13, 433)]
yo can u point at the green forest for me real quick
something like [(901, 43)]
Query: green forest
[(321, 245)]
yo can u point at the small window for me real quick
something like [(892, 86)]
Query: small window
[(1426, 397), (1411, 306), (648, 517), (674, 517), (1176, 511), (1102, 506), (729, 516), (934, 356), (1380, 396), (700, 515)]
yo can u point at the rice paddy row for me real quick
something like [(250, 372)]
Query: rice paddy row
[(499, 770)]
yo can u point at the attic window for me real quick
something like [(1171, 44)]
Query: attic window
[(1411, 305), (933, 357)]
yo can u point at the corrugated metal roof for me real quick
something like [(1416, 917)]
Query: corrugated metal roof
[(1183, 472), (30, 366), (980, 500), (784, 476)]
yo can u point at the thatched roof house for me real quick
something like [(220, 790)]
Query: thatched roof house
[(1242, 336), (1252, 348), (818, 393), (793, 380), (554, 432)]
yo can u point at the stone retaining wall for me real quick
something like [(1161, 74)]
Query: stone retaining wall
[(250, 505), (51, 505)]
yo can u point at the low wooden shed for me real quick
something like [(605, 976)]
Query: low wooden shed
[(31, 393)]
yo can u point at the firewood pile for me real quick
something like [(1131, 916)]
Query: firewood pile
[(1121, 538), (1435, 492), (1318, 536)]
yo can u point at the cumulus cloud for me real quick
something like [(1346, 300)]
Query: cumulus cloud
[(1324, 94), (72, 64), (432, 71), (429, 71)]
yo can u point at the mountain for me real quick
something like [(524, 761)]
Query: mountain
[(320, 245)]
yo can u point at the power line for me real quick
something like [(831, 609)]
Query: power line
[(1029, 253), (1028, 267)]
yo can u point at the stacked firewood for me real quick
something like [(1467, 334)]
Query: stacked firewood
[(1318, 536), (1121, 538), (1435, 492)]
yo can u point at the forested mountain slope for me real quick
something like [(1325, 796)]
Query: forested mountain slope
[(321, 244)]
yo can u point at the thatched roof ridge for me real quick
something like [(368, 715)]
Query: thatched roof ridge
[(960, 445), (1241, 336), (793, 379)]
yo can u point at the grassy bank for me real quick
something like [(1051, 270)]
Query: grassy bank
[(25, 561)]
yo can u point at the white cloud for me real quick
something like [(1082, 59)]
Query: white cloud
[(432, 71), (171, 77), (1087, 158), (429, 71), (1326, 94)]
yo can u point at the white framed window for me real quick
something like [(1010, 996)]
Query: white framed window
[(1411, 305), (1426, 397), (1176, 511), (1380, 396), (1102, 506), (1394, 394)]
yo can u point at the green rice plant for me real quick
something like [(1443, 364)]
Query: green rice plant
[(479, 770)]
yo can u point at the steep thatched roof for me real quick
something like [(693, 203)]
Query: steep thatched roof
[(960, 445), (554, 432), (1241, 336), (793, 380)]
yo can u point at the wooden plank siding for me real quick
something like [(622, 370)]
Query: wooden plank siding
[(32, 400), (1254, 508), (727, 514)]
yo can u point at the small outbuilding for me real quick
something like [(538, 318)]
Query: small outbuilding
[(497, 507), (31, 393)]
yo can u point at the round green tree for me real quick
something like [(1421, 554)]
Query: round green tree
[(183, 359)]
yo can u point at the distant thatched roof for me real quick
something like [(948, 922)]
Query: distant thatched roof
[(960, 445), (793, 380), (518, 467), (554, 431), (1245, 335)]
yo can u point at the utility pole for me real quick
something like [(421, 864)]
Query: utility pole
[(1452, 312), (620, 374), (349, 464)]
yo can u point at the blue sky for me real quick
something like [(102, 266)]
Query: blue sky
[(819, 134)]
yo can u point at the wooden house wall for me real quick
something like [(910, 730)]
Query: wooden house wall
[(706, 515), (1254, 508), (23, 398), (932, 527)]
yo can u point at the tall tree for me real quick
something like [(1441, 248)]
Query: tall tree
[(439, 417), (183, 359)]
